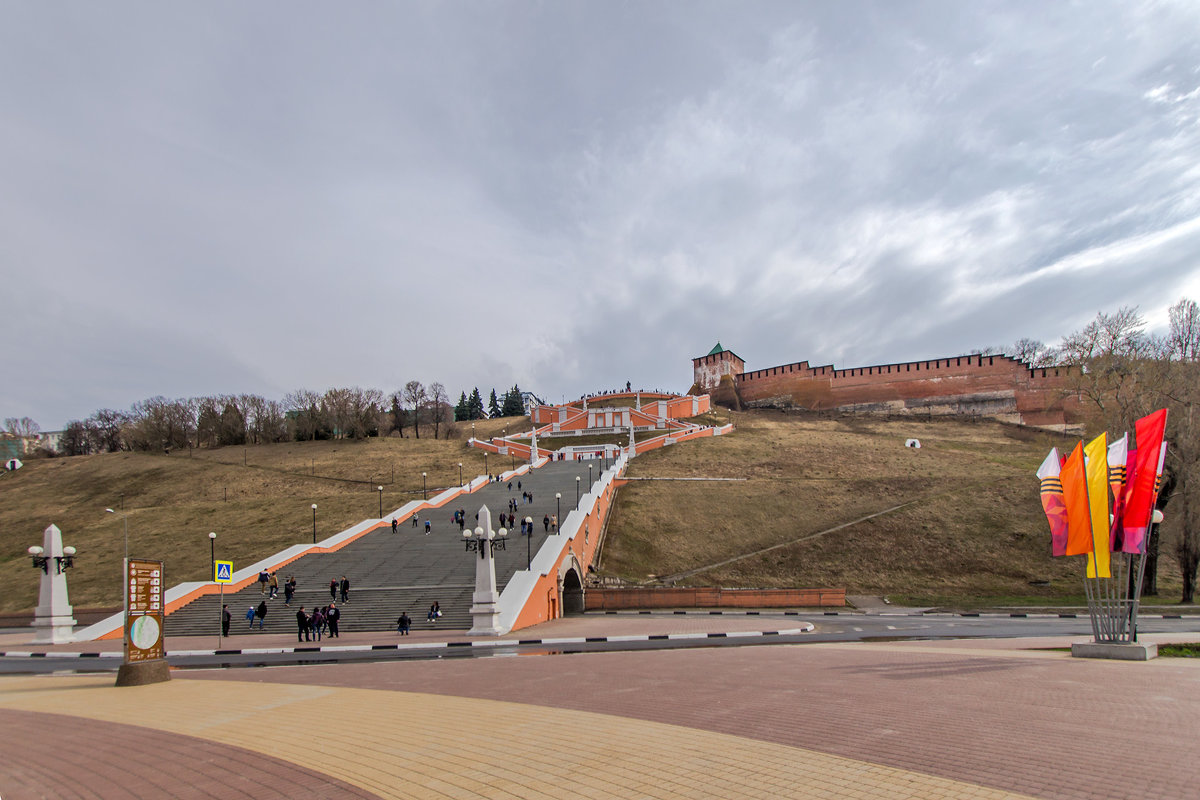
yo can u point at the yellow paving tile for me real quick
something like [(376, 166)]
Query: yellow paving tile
[(411, 745)]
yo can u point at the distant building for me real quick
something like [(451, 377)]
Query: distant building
[(530, 401)]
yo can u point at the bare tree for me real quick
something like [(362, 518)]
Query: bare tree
[(107, 430), (303, 408), (439, 406), (23, 427), (1033, 352), (1183, 341), (416, 398)]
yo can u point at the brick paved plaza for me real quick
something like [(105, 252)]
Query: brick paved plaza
[(896, 720)]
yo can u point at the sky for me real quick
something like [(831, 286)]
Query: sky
[(230, 197)]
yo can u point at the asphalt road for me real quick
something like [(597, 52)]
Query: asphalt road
[(828, 628)]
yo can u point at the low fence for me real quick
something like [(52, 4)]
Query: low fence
[(596, 599)]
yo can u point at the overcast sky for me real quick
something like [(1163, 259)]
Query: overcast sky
[(259, 197)]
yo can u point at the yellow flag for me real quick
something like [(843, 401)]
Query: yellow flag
[(1096, 457)]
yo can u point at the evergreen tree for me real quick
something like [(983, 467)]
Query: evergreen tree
[(475, 405), (493, 406), (513, 405), (461, 411)]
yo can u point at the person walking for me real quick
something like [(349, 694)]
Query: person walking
[(333, 589), (546, 523), (554, 522), (274, 584), (263, 577), (404, 623), (345, 589), (414, 518), (394, 525), (289, 590), (332, 618), (260, 614), (428, 527), (250, 616), (302, 626), (226, 618), (435, 611)]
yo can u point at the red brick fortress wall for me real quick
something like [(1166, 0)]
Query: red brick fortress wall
[(996, 386)]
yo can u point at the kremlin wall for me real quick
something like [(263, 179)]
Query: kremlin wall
[(994, 386)]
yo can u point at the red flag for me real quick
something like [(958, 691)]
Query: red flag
[(1142, 481), (1075, 495)]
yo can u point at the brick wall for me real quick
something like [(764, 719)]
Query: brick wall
[(993, 386), (711, 597)]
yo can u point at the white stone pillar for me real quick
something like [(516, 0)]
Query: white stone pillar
[(52, 621), (485, 609)]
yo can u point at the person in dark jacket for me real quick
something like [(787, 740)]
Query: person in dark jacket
[(289, 590), (316, 622), (260, 614), (333, 587), (302, 626), (332, 616), (403, 623), (226, 618), (345, 589)]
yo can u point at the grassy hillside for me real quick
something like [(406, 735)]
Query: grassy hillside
[(257, 499), (973, 531)]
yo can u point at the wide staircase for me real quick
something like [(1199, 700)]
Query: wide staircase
[(390, 573)]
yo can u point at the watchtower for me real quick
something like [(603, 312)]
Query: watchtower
[(708, 370)]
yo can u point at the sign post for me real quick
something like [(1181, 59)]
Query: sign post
[(222, 574), (145, 654)]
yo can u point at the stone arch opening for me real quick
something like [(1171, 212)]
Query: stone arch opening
[(572, 593)]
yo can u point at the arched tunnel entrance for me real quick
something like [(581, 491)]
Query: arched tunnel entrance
[(572, 593)]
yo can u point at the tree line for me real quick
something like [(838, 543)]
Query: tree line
[(161, 423), (1120, 373)]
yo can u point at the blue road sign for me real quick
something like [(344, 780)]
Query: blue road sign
[(224, 572)]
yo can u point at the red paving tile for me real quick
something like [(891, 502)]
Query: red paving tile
[(92, 759), (1049, 727)]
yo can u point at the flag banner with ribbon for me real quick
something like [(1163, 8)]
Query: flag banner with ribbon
[(1052, 502)]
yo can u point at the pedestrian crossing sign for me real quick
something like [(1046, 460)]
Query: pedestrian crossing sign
[(223, 571)]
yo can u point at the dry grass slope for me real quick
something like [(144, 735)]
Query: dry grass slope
[(975, 533)]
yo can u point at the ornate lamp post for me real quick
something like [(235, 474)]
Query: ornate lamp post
[(485, 611), (314, 508), (52, 620), (380, 488)]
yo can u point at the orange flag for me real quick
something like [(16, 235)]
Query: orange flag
[(1075, 495), (1096, 457)]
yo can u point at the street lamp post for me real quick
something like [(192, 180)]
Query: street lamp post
[(589, 476), (485, 466), (576, 491), (212, 541), (558, 516), (314, 508), (528, 540), (460, 482), (380, 501), (125, 520), (424, 493)]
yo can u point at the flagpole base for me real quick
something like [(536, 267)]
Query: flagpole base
[(1134, 651)]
